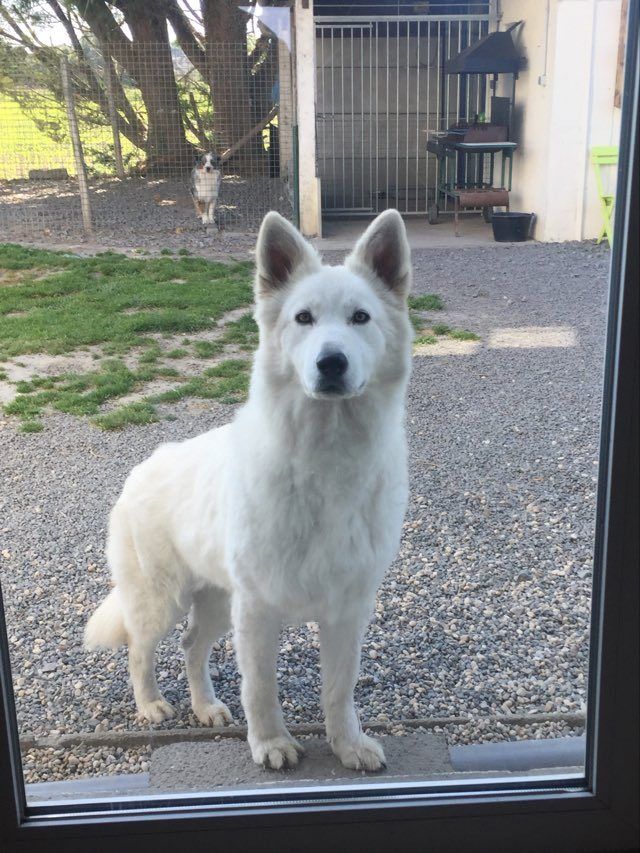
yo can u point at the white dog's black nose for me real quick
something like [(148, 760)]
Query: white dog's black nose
[(332, 365)]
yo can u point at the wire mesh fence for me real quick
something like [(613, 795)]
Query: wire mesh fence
[(147, 117)]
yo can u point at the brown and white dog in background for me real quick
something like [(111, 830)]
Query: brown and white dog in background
[(206, 179)]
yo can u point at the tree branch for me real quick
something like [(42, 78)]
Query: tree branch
[(243, 141), (66, 23), (196, 15), (14, 26), (188, 39), (7, 35)]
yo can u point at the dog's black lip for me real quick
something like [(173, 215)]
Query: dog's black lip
[(330, 388)]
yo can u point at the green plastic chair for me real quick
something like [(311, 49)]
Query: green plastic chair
[(605, 155)]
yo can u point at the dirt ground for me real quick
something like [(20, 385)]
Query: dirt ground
[(139, 212)]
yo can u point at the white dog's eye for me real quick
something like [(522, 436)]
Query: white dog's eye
[(304, 318), (360, 317)]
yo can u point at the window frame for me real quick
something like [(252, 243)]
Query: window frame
[(594, 812)]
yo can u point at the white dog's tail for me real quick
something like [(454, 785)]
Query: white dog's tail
[(105, 629)]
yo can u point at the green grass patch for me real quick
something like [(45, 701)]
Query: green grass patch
[(242, 333), (463, 335), (426, 302), (31, 425), (133, 413), (416, 321), (82, 394), (176, 353), (150, 355), (230, 367), (208, 349), (110, 299), (227, 382), (430, 333), (441, 329)]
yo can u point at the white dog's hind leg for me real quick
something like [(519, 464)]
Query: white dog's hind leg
[(150, 702), (147, 614), (148, 618), (256, 636), (340, 648), (210, 618)]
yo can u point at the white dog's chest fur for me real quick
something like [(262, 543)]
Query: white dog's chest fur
[(304, 524), (206, 184), (314, 524)]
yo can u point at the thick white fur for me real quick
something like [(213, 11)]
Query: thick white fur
[(291, 513)]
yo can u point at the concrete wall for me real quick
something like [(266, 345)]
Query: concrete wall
[(563, 110)]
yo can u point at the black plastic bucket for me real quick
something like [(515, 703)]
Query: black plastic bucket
[(511, 227)]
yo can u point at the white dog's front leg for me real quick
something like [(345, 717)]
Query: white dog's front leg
[(256, 637), (340, 648)]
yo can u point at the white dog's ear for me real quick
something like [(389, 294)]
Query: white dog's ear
[(384, 250), (281, 254)]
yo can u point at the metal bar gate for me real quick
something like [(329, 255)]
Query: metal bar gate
[(381, 89)]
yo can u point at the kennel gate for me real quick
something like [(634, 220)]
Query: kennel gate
[(380, 90)]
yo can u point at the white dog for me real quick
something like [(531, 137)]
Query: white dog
[(206, 179), (292, 512)]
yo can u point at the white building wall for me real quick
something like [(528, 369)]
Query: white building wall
[(563, 111)]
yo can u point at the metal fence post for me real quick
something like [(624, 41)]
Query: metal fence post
[(83, 184)]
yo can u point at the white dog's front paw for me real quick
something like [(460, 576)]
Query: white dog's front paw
[(363, 754), (276, 753), (156, 711), (213, 713)]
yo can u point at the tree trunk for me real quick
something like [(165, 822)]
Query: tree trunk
[(167, 147), (229, 79), (147, 58)]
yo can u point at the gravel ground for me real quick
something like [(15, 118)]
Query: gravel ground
[(486, 609), (55, 764), (139, 212)]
